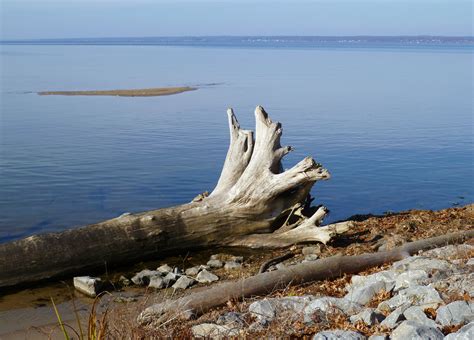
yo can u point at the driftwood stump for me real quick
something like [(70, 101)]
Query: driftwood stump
[(255, 204)]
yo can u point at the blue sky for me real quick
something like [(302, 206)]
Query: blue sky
[(24, 19)]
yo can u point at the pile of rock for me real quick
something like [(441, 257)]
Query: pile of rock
[(166, 276), (427, 295)]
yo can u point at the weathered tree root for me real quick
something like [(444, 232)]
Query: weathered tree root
[(253, 194), (198, 303), (274, 261)]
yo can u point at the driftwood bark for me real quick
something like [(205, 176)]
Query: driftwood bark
[(198, 303), (252, 197)]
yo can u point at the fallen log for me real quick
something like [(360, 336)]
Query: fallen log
[(252, 197), (198, 303)]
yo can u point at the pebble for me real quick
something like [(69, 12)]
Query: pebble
[(88, 285), (415, 331), (164, 268), (183, 282), (230, 265), (338, 334), (206, 277), (455, 313), (214, 263)]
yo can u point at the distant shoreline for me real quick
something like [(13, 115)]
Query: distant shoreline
[(150, 92)]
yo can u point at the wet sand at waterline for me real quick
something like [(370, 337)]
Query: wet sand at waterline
[(150, 92)]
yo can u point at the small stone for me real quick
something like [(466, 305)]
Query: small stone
[(455, 313), (421, 262), (394, 318), (206, 277), (88, 285), (169, 279), (310, 257), (378, 337), (213, 331), (386, 276), (265, 310), (368, 316), (415, 331), (363, 294), (338, 334), (423, 296), (313, 250), (124, 281), (465, 333), (157, 282), (410, 278), (183, 282), (193, 271), (230, 265), (328, 304), (164, 269), (214, 263), (238, 259), (143, 277), (231, 318), (215, 257), (417, 314)]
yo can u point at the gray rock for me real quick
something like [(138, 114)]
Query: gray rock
[(143, 277), (395, 317), (423, 296), (193, 271), (378, 337), (88, 285), (124, 281), (169, 279), (310, 257), (368, 316), (465, 333), (157, 282), (230, 265), (183, 282), (457, 283), (215, 257), (164, 269), (411, 278), (363, 294), (231, 318), (415, 313), (455, 313), (206, 277), (266, 309), (415, 331), (338, 334), (215, 263), (423, 263), (238, 259), (328, 304), (386, 276), (470, 262), (449, 251), (213, 331), (313, 250)]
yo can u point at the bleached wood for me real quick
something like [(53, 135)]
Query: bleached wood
[(253, 191)]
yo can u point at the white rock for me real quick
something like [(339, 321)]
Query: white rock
[(267, 309), (386, 276), (206, 277), (415, 313), (169, 279), (423, 263), (395, 317), (455, 313), (215, 263), (143, 277), (230, 265), (415, 331), (183, 282), (164, 269), (213, 331), (465, 333), (363, 294), (193, 271), (410, 278), (368, 316), (423, 296), (338, 334), (310, 257), (157, 282), (88, 285), (311, 250), (328, 304)]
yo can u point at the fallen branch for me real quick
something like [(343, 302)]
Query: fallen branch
[(198, 303)]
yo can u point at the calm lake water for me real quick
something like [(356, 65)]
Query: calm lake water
[(393, 125)]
